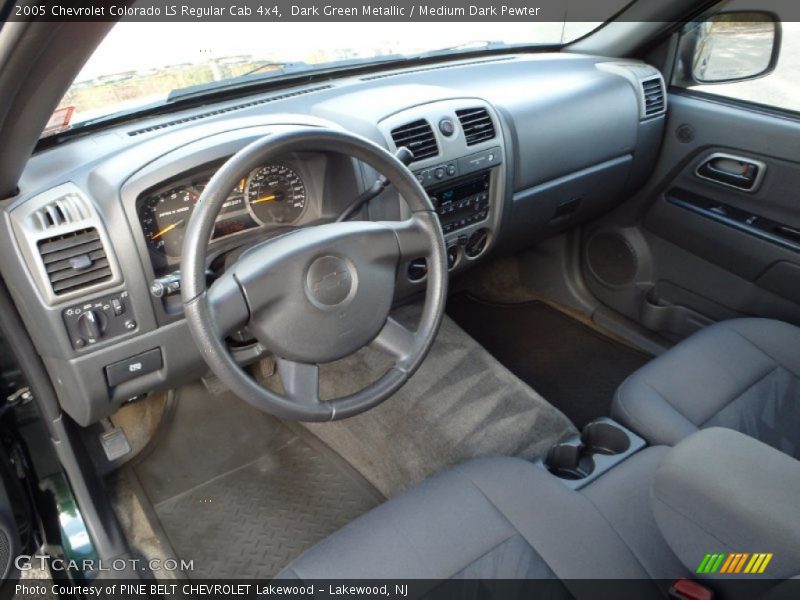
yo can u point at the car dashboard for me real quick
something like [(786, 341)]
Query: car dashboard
[(510, 149)]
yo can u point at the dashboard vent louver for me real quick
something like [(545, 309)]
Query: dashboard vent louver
[(418, 137), (477, 125), (64, 211), (653, 91), (222, 111), (74, 260)]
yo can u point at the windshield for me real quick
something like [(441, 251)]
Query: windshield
[(140, 65)]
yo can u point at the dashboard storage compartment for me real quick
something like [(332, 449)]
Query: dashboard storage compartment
[(581, 459), (555, 205)]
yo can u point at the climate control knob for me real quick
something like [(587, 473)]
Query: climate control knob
[(476, 243), (452, 256)]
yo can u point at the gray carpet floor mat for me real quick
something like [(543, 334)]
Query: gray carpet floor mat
[(240, 494), (461, 404)]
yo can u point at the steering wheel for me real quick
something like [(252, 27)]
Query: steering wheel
[(316, 294)]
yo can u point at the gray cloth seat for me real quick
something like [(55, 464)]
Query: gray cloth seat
[(504, 518), (742, 374)]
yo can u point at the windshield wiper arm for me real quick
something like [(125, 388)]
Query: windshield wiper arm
[(464, 47), (278, 66), (240, 80), (247, 80)]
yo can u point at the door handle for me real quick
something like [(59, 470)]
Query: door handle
[(733, 171)]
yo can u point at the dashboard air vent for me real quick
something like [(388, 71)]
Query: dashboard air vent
[(227, 109), (418, 137), (64, 211), (477, 125), (74, 260), (653, 91)]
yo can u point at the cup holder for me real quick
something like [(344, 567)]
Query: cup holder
[(604, 438), (569, 461), (601, 445)]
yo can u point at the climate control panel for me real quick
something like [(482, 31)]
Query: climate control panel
[(98, 320)]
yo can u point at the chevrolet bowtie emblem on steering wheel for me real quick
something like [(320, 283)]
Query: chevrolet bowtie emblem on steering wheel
[(329, 280)]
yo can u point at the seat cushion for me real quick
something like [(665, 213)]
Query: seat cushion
[(489, 518), (743, 374)]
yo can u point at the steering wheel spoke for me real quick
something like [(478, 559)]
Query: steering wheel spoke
[(396, 340), (414, 235), (228, 305), (300, 381)]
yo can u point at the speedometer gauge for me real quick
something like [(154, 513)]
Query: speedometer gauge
[(164, 218), (275, 194)]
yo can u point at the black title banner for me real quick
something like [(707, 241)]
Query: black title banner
[(317, 10), (354, 10), (468, 589)]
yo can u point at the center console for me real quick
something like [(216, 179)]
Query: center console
[(459, 160), (602, 445)]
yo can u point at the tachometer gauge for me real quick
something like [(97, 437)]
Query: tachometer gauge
[(164, 218), (275, 194)]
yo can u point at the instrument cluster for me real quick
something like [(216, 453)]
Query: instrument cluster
[(272, 194)]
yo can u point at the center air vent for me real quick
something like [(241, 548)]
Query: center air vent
[(653, 91), (477, 125), (418, 137), (75, 260)]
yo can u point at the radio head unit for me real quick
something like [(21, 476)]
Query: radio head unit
[(463, 202)]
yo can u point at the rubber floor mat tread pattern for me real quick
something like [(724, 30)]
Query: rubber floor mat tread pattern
[(253, 521), (239, 493)]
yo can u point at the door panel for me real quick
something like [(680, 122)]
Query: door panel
[(705, 250)]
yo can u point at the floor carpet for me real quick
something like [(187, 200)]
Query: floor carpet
[(461, 404), (574, 367)]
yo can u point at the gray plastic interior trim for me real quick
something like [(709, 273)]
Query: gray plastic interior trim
[(29, 230)]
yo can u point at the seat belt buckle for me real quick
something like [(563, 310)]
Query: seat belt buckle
[(686, 589)]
